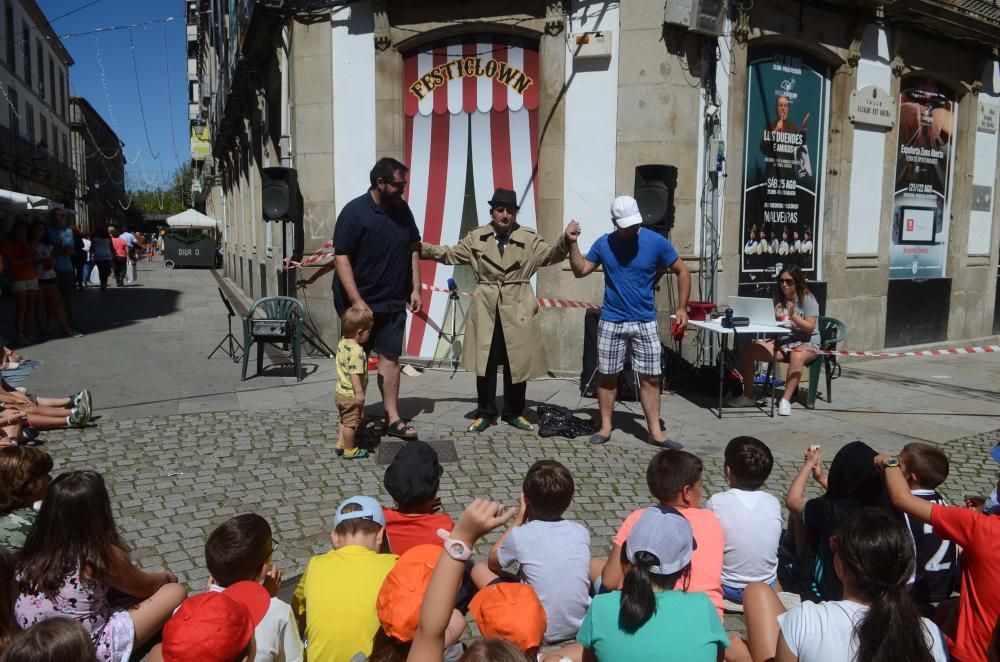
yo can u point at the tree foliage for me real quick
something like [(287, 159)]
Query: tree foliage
[(169, 200)]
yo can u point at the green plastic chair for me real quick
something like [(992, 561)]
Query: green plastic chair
[(831, 332), (274, 321)]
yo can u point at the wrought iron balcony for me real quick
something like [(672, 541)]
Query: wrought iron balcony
[(964, 20)]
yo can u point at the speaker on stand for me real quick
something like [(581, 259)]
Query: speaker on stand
[(654, 193), (279, 197)]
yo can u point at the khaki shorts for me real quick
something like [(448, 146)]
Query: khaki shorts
[(350, 411)]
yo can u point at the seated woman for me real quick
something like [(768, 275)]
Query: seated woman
[(795, 304), (24, 477), (875, 620)]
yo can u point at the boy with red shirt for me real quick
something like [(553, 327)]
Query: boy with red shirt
[(977, 533), (412, 480)]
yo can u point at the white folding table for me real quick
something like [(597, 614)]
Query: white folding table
[(724, 334)]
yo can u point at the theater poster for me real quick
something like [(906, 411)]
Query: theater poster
[(922, 194), (783, 163)]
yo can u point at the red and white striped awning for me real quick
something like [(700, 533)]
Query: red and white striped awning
[(466, 74), (468, 96)]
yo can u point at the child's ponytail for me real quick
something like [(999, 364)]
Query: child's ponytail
[(638, 602)]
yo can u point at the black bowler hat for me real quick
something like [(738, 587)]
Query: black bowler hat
[(413, 475), (504, 197)]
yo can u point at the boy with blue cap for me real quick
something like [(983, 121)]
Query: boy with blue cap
[(335, 599)]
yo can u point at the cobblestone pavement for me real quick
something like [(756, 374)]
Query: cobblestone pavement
[(185, 444), (174, 478)]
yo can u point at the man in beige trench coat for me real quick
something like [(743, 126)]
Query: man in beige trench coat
[(502, 327)]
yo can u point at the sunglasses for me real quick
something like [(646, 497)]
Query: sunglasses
[(786, 281), (399, 186)]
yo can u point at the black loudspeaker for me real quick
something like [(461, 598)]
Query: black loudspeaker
[(654, 192), (279, 193)]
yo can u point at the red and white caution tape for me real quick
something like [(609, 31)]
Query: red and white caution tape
[(316, 256), (542, 303), (986, 349)]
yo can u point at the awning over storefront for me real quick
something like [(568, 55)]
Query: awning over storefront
[(191, 219), (24, 203)]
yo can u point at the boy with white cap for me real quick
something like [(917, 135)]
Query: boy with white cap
[(633, 260), (335, 599)]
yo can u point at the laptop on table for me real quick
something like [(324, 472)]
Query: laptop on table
[(758, 310)]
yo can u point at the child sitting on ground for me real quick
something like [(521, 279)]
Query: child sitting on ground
[(553, 553), (73, 557), (8, 624), (674, 479), (977, 533), (400, 600), (24, 477), (657, 615), (56, 640), (937, 570), (240, 549), (352, 379), (334, 602), (217, 626), (751, 518), (412, 480)]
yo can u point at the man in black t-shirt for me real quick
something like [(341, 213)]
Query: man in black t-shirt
[(376, 256)]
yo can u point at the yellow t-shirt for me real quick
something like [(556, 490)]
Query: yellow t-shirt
[(337, 594), (351, 360)]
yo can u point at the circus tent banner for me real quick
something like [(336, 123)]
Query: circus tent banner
[(471, 126)]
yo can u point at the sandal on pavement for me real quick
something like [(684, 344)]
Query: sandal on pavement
[(479, 425), (665, 443), (521, 423), (599, 439), (355, 454), (401, 430)]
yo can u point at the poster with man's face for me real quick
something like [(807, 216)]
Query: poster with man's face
[(921, 197), (787, 101)]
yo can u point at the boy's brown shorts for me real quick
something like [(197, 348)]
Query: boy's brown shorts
[(350, 411)]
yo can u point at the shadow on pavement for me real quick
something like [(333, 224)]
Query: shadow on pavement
[(97, 310)]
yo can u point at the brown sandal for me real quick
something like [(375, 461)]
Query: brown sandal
[(401, 430)]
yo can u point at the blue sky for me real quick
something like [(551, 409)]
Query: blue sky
[(151, 58)]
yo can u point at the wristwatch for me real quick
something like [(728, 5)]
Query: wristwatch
[(455, 548), (891, 462)]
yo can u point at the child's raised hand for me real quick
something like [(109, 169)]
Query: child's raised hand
[(479, 518), (272, 580)]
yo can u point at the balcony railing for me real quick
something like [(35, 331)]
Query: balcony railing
[(969, 20), (29, 157)]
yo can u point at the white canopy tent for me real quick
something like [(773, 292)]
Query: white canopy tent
[(24, 203), (191, 219)]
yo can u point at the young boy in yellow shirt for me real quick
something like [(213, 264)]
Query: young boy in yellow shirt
[(334, 602), (352, 379)]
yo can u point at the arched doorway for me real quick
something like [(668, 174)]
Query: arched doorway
[(471, 126)]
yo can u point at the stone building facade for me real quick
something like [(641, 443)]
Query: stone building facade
[(34, 121), (562, 101), (99, 162)]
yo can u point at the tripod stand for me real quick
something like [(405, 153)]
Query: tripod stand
[(229, 345), (453, 308)]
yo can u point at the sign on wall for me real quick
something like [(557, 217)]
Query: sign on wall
[(873, 106), (921, 200), (783, 163)]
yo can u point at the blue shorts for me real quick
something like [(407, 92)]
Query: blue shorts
[(736, 594)]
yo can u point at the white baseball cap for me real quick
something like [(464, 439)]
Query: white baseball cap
[(666, 534), (625, 211), (370, 510)]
